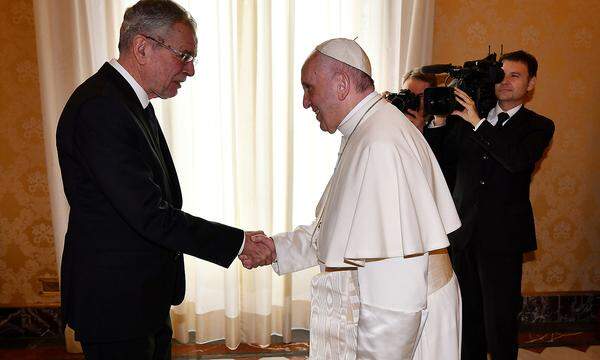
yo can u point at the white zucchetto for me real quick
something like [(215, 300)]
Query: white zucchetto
[(347, 51)]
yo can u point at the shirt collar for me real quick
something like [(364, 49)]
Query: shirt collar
[(349, 122), (493, 114), (139, 91)]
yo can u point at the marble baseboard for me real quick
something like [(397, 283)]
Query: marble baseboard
[(564, 308), (559, 313), (30, 322), (530, 339)]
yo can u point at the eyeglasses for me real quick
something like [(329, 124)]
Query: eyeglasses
[(182, 56)]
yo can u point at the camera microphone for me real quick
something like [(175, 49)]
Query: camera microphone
[(438, 68)]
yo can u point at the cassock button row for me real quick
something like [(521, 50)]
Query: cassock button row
[(482, 182)]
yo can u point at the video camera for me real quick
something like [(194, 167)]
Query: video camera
[(404, 100), (477, 78)]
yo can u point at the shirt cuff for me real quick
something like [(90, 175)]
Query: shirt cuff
[(432, 125), (478, 124), (243, 243), (275, 266)]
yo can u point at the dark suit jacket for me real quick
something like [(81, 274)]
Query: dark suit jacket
[(489, 173), (122, 266)]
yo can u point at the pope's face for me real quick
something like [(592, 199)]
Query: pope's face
[(167, 71), (320, 94), (515, 85)]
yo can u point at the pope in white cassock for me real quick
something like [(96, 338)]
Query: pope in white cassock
[(386, 288)]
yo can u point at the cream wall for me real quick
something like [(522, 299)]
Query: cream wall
[(26, 240), (565, 190)]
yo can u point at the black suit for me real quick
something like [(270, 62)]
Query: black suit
[(489, 172), (122, 266)]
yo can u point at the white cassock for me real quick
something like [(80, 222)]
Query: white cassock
[(380, 294)]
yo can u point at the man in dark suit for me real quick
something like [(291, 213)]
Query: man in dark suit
[(122, 266), (417, 81), (492, 161)]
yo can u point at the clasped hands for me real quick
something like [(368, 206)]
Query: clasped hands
[(259, 250)]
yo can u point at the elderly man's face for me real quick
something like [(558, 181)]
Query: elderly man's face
[(166, 71), (320, 94)]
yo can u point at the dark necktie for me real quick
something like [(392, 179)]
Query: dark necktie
[(154, 129), (152, 122), (155, 132), (502, 117)]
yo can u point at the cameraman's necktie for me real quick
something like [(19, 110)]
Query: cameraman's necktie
[(502, 117)]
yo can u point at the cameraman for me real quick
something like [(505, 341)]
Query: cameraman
[(417, 82), (494, 160)]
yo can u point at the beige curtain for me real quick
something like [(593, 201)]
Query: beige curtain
[(246, 152), (73, 38)]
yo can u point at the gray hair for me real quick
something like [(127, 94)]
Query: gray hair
[(359, 79), (417, 74), (151, 17)]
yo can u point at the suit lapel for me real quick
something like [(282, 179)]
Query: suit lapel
[(126, 93), (131, 101), (175, 189), (139, 116), (516, 121)]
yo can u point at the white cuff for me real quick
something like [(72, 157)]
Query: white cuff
[(243, 243), (478, 124)]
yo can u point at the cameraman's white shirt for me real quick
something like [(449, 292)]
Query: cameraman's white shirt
[(492, 117)]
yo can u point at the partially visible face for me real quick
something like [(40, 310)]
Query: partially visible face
[(320, 94), (167, 71), (417, 87), (513, 89)]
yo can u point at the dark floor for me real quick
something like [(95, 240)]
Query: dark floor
[(53, 348)]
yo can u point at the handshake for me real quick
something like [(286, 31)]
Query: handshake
[(259, 250)]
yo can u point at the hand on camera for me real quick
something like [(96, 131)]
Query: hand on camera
[(469, 113), (439, 120)]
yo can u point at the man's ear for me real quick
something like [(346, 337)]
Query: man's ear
[(342, 85), (531, 84), (140, 48)]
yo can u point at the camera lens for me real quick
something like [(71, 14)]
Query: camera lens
[(439, 101), (405, 100)]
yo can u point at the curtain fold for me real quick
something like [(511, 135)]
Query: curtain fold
[(246, 152), (72, 40)]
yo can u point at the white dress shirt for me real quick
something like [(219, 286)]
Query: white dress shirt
[(492, 116)]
